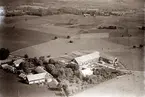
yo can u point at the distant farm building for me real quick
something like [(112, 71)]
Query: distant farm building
[(85, 15), (87, 59), (95, 35)]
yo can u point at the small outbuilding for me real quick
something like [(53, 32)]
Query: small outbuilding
[(22, 76), (8, 68)]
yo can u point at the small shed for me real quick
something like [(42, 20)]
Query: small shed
[(87, 72), (22, 76)]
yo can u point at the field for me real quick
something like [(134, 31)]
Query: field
[(34, 35)]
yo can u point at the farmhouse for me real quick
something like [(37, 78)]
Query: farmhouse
[(17, 62), (85, 60)]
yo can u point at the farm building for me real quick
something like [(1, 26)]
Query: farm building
[(5, 61), (17, 62), (86, 71), (22, 76), (36, 78), (87, 59), (9, 68)]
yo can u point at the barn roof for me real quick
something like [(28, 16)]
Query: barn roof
[(17, 62), (87, 57), (34, 77)]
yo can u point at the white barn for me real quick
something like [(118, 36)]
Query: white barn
[(39, 78), (87, 59), (36, 78)]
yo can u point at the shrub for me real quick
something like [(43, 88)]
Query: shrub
[(4, 53)]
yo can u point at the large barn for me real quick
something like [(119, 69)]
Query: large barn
[(87, 59)]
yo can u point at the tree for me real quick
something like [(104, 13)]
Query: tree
[(51, 61), (40, 63), (69, 73), (26, 56), (78, 74), (61, 73), (25, 67), (73, 66), (50, 67), (4, 53), (42, 58), (66, 90), (55, 73)]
